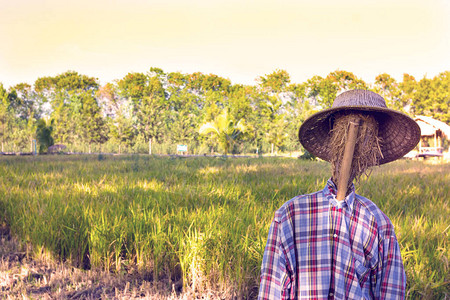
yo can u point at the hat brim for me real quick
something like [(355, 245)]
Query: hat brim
[(399, 132)]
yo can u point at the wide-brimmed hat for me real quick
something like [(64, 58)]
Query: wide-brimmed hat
[(399, 133)]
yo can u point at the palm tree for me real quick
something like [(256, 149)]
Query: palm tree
[(225, 130)]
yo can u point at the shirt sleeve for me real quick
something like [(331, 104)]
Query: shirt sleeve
[(391, 278), (274, 280)]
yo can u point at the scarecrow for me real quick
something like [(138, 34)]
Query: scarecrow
[(335, 244)]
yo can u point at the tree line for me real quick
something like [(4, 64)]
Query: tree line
[(155, 111)]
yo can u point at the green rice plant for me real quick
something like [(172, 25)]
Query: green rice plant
[(139, 248)]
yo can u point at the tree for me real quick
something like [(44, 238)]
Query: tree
[(199, 83), (214, 103), (328, 91), (67, 83), (408, 88), (276, 134), (133, 86), (267, 117), (195, 83), (312, 89), (64, 129), (214, 83), (23, 101), (225, 130), (121, 127), (44, 135), (389, 89), (6, 117), (108, 100), (335, 83), (298, 109), (271, 101), (93, 126), (177, 81), (299, 106), (66, 93), (28, 108), (151, 110), (276, 82), (148, 97), (440, 94), (432, 97), (273, 125), (239, 99), (322, 91), (345, 80), (183, 117), (73, 83)]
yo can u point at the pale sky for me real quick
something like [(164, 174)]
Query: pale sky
[(236, 39)]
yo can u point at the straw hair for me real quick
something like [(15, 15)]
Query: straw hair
[(399, 133), (367, 151)]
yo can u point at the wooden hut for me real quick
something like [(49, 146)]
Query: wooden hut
[(432, 136)]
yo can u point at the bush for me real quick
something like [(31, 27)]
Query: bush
[(307, 156)]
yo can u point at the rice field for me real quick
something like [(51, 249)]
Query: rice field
[(202, 223)]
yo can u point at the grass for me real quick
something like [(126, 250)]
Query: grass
[(204, 221)]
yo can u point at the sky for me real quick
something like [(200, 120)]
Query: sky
[(235, 39)]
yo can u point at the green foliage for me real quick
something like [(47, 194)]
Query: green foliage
[(93, 127), (151, 118), (268, 120), (133, 85), (388, 87), (299, 108), (176, 79), (275, 82), (22, 101), (168, 108), (122, 129), (436, 97), (69, 82), (238, 101), (66, 93), (44, 135), (6, 117), (183, 119), (307, 156), (225, 130), (149, 102), (324, 90)]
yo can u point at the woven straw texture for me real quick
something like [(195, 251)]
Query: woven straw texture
[(399, 133)]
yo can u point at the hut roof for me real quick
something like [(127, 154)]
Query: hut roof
[(429, 126)]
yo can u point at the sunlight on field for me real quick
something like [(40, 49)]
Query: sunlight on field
[(150, 185), (105, 187), (246, 169), (202, 223), (208, 170), (84, 188)]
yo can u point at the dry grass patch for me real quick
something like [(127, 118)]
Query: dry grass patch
[(25, 276)]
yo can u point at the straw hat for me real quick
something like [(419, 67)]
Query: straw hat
[(399, 133)]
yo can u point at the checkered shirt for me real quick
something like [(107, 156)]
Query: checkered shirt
[(321, 248)]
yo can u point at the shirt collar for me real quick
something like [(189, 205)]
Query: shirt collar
[(330, 192)]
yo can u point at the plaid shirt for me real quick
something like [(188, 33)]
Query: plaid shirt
[(320, 248)]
